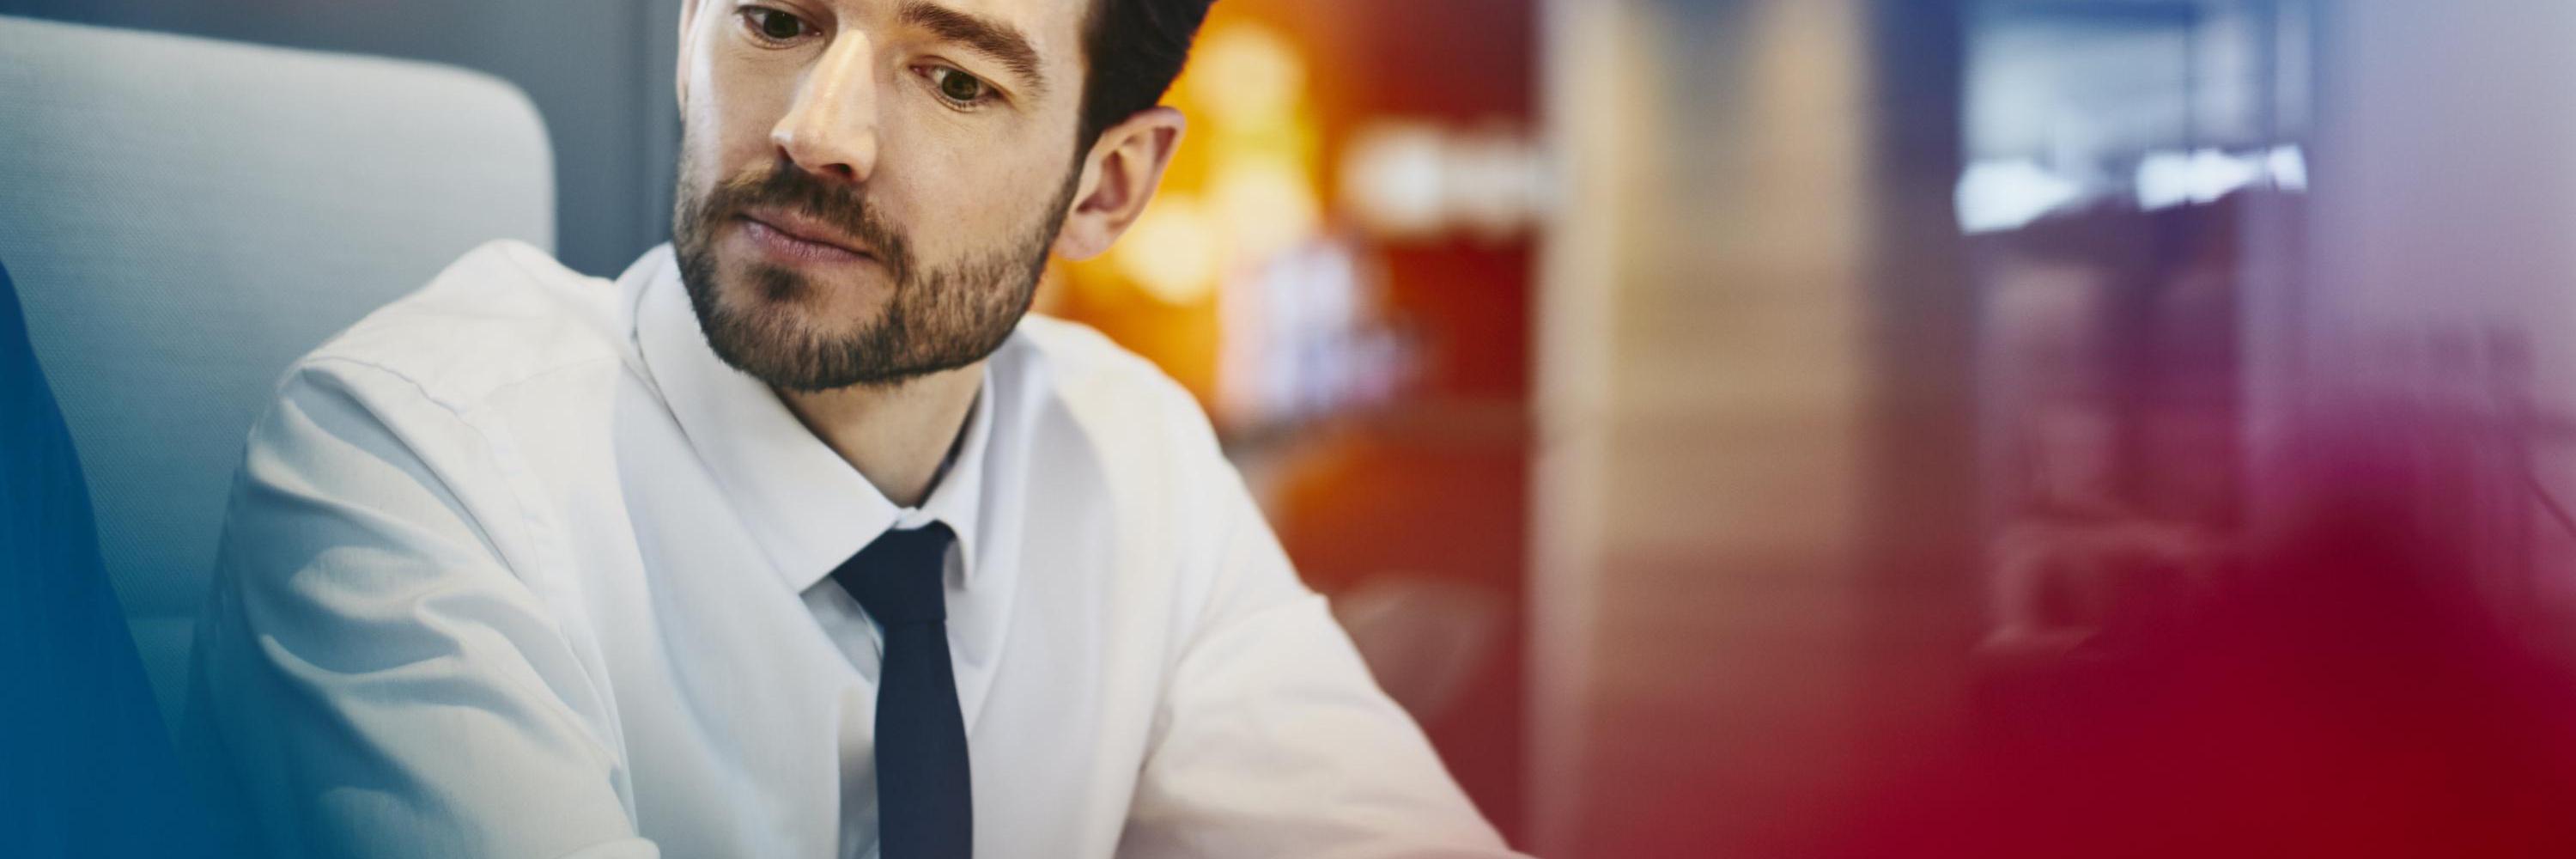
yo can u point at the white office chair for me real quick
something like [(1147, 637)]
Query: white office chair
[(183, 217)]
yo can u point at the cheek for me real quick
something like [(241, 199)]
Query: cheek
[(962, 188), (731, 111)]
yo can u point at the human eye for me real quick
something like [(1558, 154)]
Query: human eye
[(959, 89), (773, 26)]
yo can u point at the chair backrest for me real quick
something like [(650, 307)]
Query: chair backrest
[(91, 771), (184, 217)]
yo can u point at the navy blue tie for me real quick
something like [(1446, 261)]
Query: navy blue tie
[(925, 806)]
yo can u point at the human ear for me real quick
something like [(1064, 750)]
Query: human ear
[(1119, 176)]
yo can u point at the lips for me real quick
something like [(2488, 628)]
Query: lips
[(803, 236)]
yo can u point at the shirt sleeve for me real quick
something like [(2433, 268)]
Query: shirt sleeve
[(1273, 739), (377, 679)]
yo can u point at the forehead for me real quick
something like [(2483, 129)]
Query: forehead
[(1054, 27)]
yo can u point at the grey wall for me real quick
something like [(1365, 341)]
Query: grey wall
[(600, 70)]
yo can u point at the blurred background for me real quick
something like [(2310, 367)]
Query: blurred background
[(1765, 427)]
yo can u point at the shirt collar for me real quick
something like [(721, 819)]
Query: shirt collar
[(803, 503)]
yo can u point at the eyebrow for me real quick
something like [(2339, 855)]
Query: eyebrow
[(995, 39)]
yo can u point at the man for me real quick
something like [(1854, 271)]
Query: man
[(798, 539)]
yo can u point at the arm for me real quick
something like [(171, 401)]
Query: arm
[(379, 680)]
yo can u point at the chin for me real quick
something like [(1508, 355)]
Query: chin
[(851, 299)]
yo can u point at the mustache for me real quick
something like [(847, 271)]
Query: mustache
[(844, 207)]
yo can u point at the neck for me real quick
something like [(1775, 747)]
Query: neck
[(895, 435)]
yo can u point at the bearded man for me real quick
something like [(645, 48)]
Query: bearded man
[(800, 538)]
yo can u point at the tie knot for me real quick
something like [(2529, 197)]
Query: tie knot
[(898, 577)]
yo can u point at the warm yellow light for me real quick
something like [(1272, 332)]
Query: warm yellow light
[(1268, 205), (1245, 77), (1173, 252)]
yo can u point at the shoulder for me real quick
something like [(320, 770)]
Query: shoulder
[(502, 314), (1105, 430), (1129, 453), (440, 412)]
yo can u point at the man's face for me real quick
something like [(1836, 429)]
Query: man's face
[(868, 188)]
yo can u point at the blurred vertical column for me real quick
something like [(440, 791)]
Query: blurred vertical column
[(1750, 482)]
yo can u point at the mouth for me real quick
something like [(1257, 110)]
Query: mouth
[(794, 239)]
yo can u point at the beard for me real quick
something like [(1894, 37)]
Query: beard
[(937, 317)]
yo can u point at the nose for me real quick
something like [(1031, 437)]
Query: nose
[(831, 128)]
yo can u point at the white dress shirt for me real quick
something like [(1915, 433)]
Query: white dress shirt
[(517, 567)]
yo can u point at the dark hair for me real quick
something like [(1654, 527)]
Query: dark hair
[(1135, 48)]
